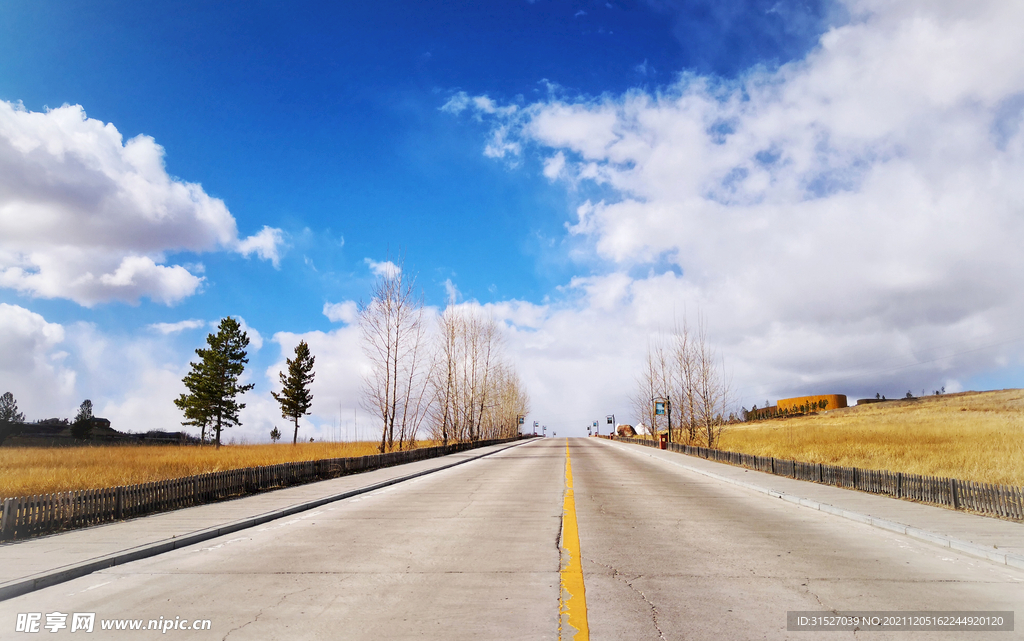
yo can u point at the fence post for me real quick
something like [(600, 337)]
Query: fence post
[(899, 485), (119, 502), (10, 511), (954, 494)]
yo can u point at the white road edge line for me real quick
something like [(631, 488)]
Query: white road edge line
[(942, 540), (47, 578)]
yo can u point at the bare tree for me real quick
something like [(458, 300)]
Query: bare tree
[(684, 368), (476, 393), (651, 384), (711, 390), (445, 382), (394, 339)]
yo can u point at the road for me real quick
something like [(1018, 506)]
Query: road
[(472, 553)]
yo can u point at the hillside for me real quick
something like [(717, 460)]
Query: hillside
[(971, 435)]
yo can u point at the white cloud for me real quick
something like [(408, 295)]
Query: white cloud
[(451, 292), (384, 268), (180, 326), (457, 103), (345, 312), (32, 362), (266, 244), (554, 166), (88, 217), (850, 220)]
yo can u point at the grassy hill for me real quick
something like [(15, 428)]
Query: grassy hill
[(971, 435)]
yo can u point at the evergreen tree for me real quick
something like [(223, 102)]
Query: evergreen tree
[(275, 434), (196, 404), (9, 409), (295, 397), (82, 424), (213, 381)]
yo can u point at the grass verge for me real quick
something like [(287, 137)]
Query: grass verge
[(977, 436), (39, 470)]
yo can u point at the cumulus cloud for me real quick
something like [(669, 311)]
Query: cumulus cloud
[(266, 244), (32, 360), (849, 219), (86, 216), (344, 312), (384, 268)]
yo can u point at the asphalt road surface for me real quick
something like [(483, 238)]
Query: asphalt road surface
[(472, 553)]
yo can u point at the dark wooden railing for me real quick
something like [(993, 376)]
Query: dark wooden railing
[(1003, 501), (27, 516)]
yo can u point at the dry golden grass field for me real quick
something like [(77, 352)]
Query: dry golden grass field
[(40, 470), (976, 436)]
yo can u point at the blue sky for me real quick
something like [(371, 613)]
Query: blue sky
[(363, 130)]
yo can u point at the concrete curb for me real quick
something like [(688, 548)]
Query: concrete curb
[(942, 540), (48, 578)]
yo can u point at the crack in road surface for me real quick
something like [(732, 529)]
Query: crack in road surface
[(629, 582), (260, 613)]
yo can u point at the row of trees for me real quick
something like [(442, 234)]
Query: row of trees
[(211, 402), (772, 411), (449, 378), (682, 368)]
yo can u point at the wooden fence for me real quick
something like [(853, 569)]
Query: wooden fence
[(28, 516), (1004, 501)]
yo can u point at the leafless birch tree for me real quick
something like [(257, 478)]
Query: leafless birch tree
[(684, 367), (476, 393), (394, 338)]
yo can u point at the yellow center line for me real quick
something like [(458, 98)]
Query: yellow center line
[(572, 604)]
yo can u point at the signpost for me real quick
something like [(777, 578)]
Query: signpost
[(663, 407)]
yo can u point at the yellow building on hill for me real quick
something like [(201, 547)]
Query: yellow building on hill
[(834, 401)]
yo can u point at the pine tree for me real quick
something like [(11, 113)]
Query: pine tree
[(9, 409), (295, 397), (213, 381), (196, 405)]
